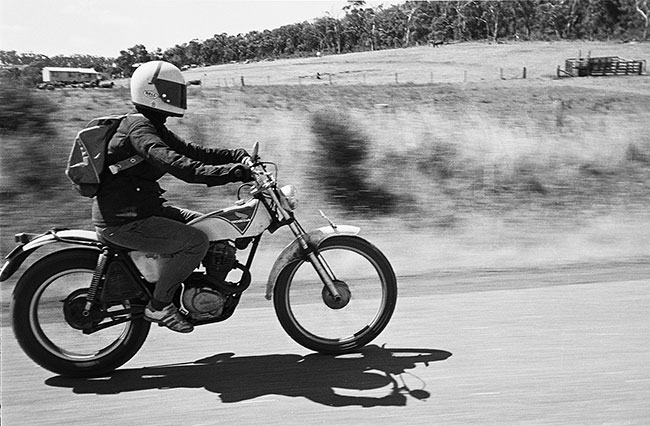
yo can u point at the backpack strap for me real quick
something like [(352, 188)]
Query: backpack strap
[(125, 164)]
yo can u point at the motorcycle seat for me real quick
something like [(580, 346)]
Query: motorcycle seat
[(112, 245)]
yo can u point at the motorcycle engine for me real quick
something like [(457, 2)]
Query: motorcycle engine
[(200, 300), (203, 303), (219, 260)]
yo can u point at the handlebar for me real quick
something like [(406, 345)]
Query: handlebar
[(262, 179)]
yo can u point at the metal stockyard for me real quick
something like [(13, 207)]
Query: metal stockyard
[(601, 66)]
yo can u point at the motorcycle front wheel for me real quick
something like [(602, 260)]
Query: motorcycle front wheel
[(366, 283), (46, 306)]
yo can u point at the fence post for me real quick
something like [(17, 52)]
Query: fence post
[(559, 113), (524, 72), (242, 81)]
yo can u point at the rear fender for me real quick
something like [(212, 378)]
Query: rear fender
[(29, 243), (294, 251)]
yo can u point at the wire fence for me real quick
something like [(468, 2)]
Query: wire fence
[(358, 77)]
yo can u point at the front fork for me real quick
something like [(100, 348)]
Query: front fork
[(322, 269), (325, 273), (318, 262)]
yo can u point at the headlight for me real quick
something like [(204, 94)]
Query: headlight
[(290, 200)]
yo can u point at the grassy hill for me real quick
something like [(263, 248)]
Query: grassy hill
[(452, 164), (451, 63)]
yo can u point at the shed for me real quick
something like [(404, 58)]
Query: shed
[(70, 75)]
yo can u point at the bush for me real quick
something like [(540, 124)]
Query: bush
[(29, 167), (439, 160), (341, 152), (636, 154), (24, 110), (29, 76)]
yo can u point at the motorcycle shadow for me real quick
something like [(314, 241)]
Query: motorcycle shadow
[(373, 376)]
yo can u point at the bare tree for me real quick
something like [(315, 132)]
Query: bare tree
[(412, 10), (461, 18), (491, 17), (643, 8)]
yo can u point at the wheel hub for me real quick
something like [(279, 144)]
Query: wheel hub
[(344, 293), (73, 310)]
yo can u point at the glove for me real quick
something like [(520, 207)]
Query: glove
[(240, 173), (241, 154), (247, 161)]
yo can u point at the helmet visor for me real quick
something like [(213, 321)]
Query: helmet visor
[(172, 93)]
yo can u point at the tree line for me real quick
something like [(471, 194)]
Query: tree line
[(363, 28)]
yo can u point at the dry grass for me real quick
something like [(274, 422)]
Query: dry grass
[(487, 166), (454, 63)]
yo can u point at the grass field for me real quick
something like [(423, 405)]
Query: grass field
[(453, 63), (482, 170)]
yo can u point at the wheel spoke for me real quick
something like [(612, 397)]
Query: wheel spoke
[(53, 330), (48, 320), (366, 284)]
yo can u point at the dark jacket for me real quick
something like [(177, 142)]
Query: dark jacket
[(134, 193)]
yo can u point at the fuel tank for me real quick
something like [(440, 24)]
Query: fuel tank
[(246, 220)]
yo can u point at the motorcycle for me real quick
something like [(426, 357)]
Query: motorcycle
[(79, 310)]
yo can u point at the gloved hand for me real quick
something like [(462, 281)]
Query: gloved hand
[(238, 155), (240, 173), (247, 161)]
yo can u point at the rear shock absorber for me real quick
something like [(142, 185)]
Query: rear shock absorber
[(95, 284)]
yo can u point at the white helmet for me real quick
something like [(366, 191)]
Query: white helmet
[(159, 86)]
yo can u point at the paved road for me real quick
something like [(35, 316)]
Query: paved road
[(553, 346)]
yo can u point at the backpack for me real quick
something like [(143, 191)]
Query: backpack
[(86, 163)]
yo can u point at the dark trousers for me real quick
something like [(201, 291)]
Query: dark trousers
[(182, 246)]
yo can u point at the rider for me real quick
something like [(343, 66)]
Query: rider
[(129, 209)]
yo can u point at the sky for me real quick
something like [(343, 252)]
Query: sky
[(105, 27)]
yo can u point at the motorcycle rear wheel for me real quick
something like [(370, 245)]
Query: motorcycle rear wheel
[(43, 326), (368, 288)]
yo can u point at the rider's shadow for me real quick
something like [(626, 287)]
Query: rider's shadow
[(329, 380)]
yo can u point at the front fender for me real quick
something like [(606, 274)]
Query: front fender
[(294, 252), (29, 243)]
